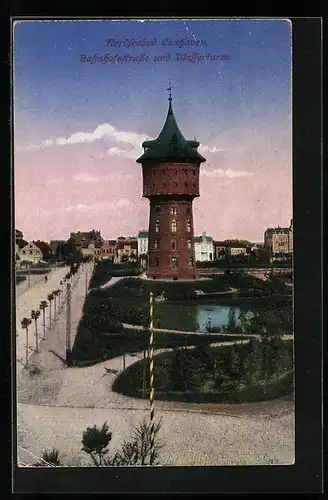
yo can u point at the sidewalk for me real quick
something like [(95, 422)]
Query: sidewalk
[(56, 335)]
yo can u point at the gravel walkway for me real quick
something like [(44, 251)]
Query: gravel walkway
[(58, 403)]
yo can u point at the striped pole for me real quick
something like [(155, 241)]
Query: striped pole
[(151, 380)]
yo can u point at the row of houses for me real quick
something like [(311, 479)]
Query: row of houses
[(278, 242), (31, 251)]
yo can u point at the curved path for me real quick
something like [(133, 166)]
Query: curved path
[(56, 405)]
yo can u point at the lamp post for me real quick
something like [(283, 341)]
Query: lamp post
[(29, 275), (151, 380)]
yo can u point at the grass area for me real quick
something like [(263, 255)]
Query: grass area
[(206, 382), (106, 269), (91, 347)]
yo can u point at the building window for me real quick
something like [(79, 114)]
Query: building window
[(156, 262), (156, 244), (174, 226), (158, 209), (31, 252), (157, 226), (194, 172), (189, 243), (175, 171), (164, 185), (154, 172), (173, 211), (174, 262), (190, 262), (176, 184), (186, 184), (188, 211), (186, 171), (24, 252), (188, 225), (174, 244)]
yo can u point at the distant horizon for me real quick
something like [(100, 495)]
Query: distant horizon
[(79, 126)]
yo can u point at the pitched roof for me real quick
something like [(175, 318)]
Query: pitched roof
[(121, 244), (22, 243), (170, 144), (199, 239), (44, 247), (220, 243), (18, 233), (112, 242), (143, 234)]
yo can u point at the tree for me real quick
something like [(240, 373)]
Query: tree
[(95, 442), (43, 305), (34, 316), (50, 299), (55, 294), (232, 323), (25, 324)]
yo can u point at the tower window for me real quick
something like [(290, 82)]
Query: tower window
[(154, 172), (194, 172), (188, 225), (186, 171), (158, 209), (194, 186), (173, 211), (156, 244), (164, 184), (174, 262), (190, 262), (157, 226), (156, 262), (174, 244), (188, 211), (186, 184), (174, 226), (175, 171), (154, 186), (189, 243)]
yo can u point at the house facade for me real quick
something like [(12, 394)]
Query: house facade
[(126, 250), (204, 248), (278, 241), (237, 247), (219, 249), (143, 248), (31, 253)]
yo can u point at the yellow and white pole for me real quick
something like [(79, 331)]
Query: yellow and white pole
[(151, 380)]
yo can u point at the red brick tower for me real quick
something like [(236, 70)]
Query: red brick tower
[(170, 167)]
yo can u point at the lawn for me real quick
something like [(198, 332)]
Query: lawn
[(216, 375), (106, 269)]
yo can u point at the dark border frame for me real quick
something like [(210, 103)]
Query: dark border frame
[(306, 475)]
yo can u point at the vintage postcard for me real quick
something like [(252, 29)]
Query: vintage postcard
[(153, 242)]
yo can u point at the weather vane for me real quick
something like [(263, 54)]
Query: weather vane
[(169, 89)]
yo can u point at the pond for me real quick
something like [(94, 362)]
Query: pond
[(193, 318)]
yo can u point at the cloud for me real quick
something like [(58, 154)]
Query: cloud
[(231, 174), (85, 177), (98, 207), (103, 131), (106, 131), (210, 149)]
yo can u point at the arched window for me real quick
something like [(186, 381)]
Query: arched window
[(164, 185), (188, 211), (189, 243), (186, 171), (194, 172), (174, 226), (174, 262), (157, 226), (158, 209), (186, 184), (194, 186), (175, 171), (156, 261), (173, 211), (188, 225), (156, 244), (190, 262), (174, 244)]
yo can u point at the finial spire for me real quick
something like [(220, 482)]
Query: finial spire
[(170, 89)]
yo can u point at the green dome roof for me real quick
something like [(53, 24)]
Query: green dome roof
[(170, 145)]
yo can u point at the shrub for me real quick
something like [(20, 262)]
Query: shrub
[(51, 457), (95, 442)]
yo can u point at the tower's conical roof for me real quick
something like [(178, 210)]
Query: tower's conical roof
[(170, 145)]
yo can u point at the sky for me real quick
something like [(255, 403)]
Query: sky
[(86, 94)]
